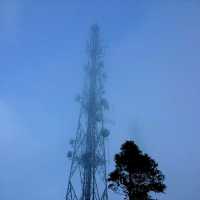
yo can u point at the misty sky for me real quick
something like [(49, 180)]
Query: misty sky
[(153, 86)]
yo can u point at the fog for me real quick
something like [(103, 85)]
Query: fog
[(152, 66)]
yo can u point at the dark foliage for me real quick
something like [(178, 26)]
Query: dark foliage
[(135, 174)]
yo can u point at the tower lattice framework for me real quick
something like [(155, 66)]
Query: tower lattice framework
[(88, 176)]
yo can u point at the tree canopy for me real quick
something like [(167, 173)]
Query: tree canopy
[(136, 174)]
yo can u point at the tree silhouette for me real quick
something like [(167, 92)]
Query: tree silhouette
[(136, 175)]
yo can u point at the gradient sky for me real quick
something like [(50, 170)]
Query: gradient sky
[(153, 68)]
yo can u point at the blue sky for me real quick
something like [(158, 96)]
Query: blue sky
[(152, 63)]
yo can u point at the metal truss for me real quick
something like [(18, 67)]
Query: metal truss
[(88, 177)]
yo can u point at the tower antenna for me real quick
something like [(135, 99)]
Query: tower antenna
[(88, 176)]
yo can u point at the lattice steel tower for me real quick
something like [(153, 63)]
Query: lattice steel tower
[(88, 177)]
